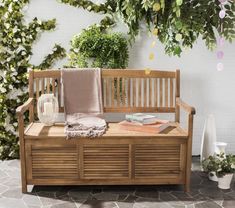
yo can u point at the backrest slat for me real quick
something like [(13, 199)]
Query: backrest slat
[(166, 92), (42, 85), (134, 84), (123, 95), (128, 92), (48, 85), (161, 92), (37, 88), (53, 86), (150, 92), (145, 91), (171, 92), (156, 93), (118, 91), (139, 92), (113, 93), (124, 90)]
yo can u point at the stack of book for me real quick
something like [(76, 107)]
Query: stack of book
[(143, 123)]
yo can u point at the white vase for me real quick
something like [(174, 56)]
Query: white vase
[(212, 176), (208, 138), (225, 181)]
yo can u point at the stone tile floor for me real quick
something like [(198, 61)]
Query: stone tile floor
[(204, 193)]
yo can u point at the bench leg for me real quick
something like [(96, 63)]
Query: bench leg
[(187, 188), (24, 188)]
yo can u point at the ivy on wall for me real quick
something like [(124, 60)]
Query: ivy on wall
[(176, 23), (16, 40)]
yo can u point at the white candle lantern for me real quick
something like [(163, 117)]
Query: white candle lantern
[(47, 109)]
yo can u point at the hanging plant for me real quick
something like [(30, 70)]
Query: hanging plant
[(177, 23), (16, 41), (94, 47)]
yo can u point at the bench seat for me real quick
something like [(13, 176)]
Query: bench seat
[(39, 130)]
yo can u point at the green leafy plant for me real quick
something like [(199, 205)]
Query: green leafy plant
[(179, 22), (94, 47), (221, 164), (16, 41), (211, 164)]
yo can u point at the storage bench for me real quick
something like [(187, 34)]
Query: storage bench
[(119, 156)]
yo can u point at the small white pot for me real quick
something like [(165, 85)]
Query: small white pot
[(225, 181), (212, 176), (220, 147)]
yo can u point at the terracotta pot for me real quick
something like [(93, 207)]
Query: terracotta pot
[(225, 181), (212, 176)]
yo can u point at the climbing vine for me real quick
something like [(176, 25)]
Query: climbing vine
[(176, 23), (16, 40)]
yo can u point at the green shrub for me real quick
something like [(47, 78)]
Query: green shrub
[(95, 47)]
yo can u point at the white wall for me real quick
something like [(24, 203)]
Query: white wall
[(202, 85)]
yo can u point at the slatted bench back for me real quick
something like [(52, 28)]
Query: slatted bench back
[(124, 90)]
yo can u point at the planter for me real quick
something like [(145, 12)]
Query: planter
[(212, 176), (225, 181), (220, 147)]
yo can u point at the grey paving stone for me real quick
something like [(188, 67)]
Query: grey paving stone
[(12, 203), (147, 193), (79, 195), (228, 204), (32, 200), (122, 197), (98, 204), (207, 204), (106, 196), (65, 205), (13, 193), (3, 188), (151, 204), (203, 194), (125, 204), (32, 206), (13, 173), (14, 163), (119, 189), (12, 182), (3, 174), (213, 193)]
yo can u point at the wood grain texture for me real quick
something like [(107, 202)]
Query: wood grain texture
[(119, 156), (177, 94)]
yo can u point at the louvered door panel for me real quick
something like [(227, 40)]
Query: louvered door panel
[(158, 161), (105, 161), (54, 162)]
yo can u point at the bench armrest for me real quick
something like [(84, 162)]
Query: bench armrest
[(21, 109), (191, 110)]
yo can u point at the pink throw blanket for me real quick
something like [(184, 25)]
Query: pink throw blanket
[(83, 102)]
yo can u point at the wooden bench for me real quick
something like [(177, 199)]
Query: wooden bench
[(119, 156)]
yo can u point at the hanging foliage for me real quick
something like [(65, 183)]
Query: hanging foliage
[(95, 47), (16, 40), (176, 23)]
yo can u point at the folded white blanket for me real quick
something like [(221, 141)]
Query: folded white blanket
[(84, 125)]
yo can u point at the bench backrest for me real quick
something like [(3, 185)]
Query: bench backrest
[(124, 90)]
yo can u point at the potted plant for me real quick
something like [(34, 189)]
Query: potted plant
[(225, 170), (222, 166), (211, 165)]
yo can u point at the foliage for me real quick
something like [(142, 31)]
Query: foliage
[(211, 164), (179, 22), (16, 40), (96, 48), (221, 164)]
